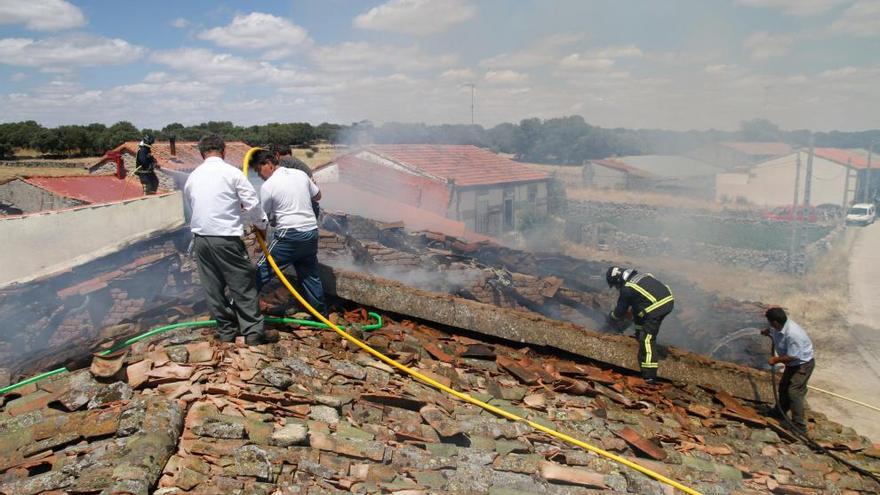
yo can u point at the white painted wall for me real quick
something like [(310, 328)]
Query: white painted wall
[(43, 243), (772, 183)]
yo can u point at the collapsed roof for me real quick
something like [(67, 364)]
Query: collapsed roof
[(313, 415)]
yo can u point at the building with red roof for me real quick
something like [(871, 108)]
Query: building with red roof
[(486, 192), (609, 173), (738, 154), (176, 160), (23, 195), (839, 177)]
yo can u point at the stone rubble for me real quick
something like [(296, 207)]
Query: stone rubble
[(314, 415)]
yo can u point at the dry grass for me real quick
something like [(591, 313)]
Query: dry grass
[(326, 152), (11, 172)]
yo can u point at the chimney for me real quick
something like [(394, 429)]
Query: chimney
[(172, 141)]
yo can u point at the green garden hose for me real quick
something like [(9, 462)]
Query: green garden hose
[(188, 324)]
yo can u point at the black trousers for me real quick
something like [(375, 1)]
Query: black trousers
[(647, 329), (793, 391), (224, 265), (150, 182)]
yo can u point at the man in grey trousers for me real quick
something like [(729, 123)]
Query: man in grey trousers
[(794, 349), (223, 202)]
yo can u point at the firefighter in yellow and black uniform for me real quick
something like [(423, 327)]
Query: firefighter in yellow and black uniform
[(650, 302)]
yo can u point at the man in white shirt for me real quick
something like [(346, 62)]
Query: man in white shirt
[(223, 202), (287, 197)]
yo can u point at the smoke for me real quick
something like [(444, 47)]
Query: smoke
[(450, 280), (106, 300)]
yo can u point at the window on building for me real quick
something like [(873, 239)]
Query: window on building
[(508, 209), (533, 193), (483, 212)]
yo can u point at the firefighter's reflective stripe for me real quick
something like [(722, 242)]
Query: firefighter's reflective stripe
[(642, 291), (659, 303), (649, 354)]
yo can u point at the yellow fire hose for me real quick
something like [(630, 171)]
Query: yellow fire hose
[(463, 396)]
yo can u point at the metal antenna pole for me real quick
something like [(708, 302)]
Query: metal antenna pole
[(473, 87), (869, 198)]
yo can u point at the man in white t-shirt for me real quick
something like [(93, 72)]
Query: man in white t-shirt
[(287, 195)]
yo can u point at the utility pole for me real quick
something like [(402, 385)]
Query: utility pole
[(793, 245), (808, 188), (846, 186), (473, 87), (808, 179), (869, 198)]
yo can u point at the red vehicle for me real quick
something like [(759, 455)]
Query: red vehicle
[(786, 214)]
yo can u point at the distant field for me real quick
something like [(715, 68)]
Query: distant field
[(326, 152), (8, 172)]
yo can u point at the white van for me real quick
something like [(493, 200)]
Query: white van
[(860, 214)]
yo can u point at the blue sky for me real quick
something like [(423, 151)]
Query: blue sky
[(675, 64)]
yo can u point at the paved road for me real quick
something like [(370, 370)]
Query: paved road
[(857, 373)]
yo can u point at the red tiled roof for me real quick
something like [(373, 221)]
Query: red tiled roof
[(856, 158), (89, 188), (416, 190), (465, 165), (336, 196), (759, 149), (617, 165), (187, 156)]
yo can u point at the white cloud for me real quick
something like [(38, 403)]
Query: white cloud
[(18, 77), (796, 7), (576, 61), (416, 17), (681, 59), (165, 86), (368, 57), (725, 70), (257, 31), (179, 23), (79, 50), (543, 52), (223, 68), (504, 77), (862, 19), (458, 75), (43, 15), (762, 46), (624, 51)]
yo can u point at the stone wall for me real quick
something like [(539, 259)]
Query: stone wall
[(31, 199), (603, 225)]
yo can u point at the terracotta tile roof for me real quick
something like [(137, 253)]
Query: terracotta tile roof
[(187, 156), (340, 197), (856, 158), (759, 149), (427, 193), (465, 165), (89, 188), (616, 165)]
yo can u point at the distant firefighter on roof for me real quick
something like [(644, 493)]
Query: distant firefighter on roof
[(146, 165)]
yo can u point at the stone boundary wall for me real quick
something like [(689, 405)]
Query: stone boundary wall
[(588, 223)]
